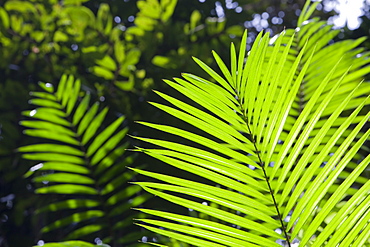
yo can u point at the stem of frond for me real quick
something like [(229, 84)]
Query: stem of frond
[(268, 183)]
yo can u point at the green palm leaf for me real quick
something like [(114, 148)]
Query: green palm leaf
[(82, 163), (279, 155)]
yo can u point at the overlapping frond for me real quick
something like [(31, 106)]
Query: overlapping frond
[(82, 161), (279, 153)]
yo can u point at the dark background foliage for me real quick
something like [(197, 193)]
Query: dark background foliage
[(121, 50)]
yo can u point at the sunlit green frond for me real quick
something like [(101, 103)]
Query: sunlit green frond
[(82, 160), (276, 150), (317, 36)]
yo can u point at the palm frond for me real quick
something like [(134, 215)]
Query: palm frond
[(82, 165), (279, 153)]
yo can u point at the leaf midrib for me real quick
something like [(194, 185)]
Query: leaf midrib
[(266, 178)]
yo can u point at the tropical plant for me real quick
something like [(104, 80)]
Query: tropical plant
[(277, 156), (83, 167), (118, 57)]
